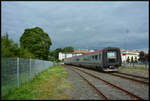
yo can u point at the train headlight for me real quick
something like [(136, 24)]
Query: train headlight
[(110, 66)]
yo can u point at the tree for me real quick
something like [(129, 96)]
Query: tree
[(146, 57), (68, 49), (9, 48), (141, 56), (132, 61), (54, 55), (24, 53), (135, 60), (37, 42), (128, 60)]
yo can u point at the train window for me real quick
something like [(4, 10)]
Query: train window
[(99, 56), (65, 55), (85, 58), (92, 57), (96, 57), (111, 55), (77, 59)]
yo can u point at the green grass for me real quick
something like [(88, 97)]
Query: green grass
[(49, 84), (138, 68), (24, 77)]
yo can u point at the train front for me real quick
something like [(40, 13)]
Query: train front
[(112, 59)]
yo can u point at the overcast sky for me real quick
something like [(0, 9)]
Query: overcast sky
[(84, 25)]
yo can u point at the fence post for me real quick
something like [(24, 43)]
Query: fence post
[(18, 82), (30, 69)]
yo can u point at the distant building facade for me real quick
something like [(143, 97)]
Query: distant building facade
[(67, 55), (75, 53), (129, 53), (83, 51), (146, 51)]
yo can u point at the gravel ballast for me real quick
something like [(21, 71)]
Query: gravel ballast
[(135, 88), (81, 90), (137, 72), (107, 90)]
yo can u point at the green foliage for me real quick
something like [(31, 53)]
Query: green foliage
[(24, 53), (54, 55), (135, 60), (36, 41), (68, 49), (147, 57), (49, 84), (143, 56), (132, 59), (9, 48), (128, 60)]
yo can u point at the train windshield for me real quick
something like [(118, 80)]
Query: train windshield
[(111, 55)]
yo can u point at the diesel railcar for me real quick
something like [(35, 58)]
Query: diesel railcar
[(107, 59)]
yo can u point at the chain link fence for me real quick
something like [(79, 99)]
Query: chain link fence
[(15, 71)]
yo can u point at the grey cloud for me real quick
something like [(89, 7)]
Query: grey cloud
[(80, 24)]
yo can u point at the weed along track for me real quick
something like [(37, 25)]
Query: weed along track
[(131, 95)]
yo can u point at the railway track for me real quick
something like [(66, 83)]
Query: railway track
[(140, 77), (106, 82), (129, 78), (89, 83)]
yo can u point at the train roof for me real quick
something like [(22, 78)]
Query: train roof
[(97, 51)]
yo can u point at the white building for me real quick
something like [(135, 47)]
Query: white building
[(129, 53), (67, 55), (91, 50), (75, 53)]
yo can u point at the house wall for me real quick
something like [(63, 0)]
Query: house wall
[(126, 54), (67, 55)]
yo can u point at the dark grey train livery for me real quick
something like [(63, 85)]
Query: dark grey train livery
[(107, 59)]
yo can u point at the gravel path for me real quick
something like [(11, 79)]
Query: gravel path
[(109, 91), (138, 89), (80, 89), (132, 77), (142, 73)]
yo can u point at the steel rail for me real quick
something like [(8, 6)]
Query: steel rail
[(133, 75), (135, 80), (128, 78), (129, 93), (97, 91)]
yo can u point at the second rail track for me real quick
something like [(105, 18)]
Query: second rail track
[(106, 82)]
